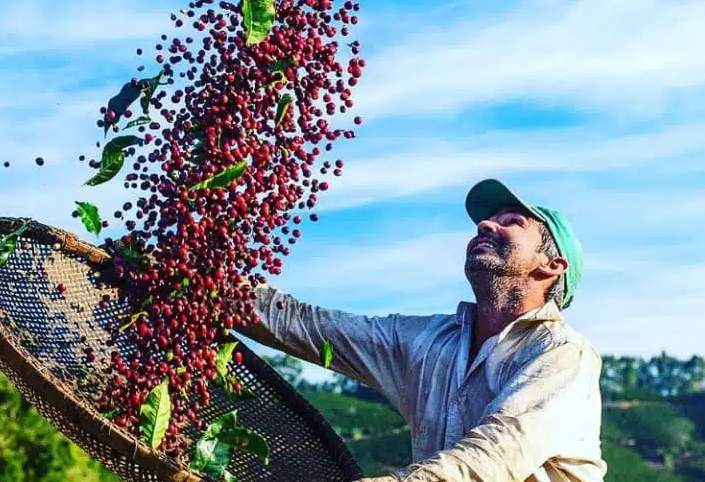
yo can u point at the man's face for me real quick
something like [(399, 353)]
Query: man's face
[(506, 244)]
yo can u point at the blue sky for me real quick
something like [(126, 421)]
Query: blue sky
[(590, 107)]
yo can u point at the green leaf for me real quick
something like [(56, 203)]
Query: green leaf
[(111, 414), (215, 448), (147, 302), (89, 216), (149, 86), (212, 454), (138, 122), (155, 413), (212, 457), (223, 179), (327, 354), (121, 102), (247, 440), (113, 158), (135, 256), (229, 383), (282, 64), (122, 142), (9, 243), (110, 165), (225, 354), (227, 421), (258, 19), (228, 477), (129, 93), (279, 67), (283, 108)]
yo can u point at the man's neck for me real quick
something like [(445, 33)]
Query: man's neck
[(497, 306)]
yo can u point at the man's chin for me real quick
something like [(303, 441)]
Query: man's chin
[(483, 262)]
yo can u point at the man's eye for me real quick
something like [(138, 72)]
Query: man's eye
[(515, 220)]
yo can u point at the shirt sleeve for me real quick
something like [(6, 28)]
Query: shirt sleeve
[(371, 349), (540, 412)]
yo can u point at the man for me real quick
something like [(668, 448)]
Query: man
[(503, 390)]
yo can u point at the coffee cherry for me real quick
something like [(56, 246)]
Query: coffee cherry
[(198, 254)]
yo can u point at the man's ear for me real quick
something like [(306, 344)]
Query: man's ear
[(553, 267)]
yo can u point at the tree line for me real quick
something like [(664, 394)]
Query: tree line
[(623, 377), (656, 378)]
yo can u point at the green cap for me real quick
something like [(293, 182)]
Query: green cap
[(489, 196)]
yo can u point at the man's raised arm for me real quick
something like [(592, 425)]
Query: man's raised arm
[(372, 349)]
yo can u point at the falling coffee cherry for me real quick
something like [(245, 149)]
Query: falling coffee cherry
[(219, 187), (90, 355)]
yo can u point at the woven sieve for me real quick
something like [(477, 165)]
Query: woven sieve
[(43, 338)]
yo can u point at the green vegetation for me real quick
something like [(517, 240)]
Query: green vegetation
[(653, 426), (375, 433), (346, 414), (662, 376), (626, 465), (32, 450)]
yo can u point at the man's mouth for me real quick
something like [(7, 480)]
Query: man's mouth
[(482, 244)]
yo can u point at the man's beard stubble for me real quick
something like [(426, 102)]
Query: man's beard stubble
[(491, 274), (497, 262)]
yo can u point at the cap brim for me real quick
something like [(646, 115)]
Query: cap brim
[(487, 197)]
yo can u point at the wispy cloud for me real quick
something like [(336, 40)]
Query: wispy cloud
[(649, 306), (37, 26), (408, 264), (430, 164), (616, 56)]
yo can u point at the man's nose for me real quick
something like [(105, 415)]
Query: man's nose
[(486, 226)]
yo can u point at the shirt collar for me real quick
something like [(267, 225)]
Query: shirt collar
[(548, 312)]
